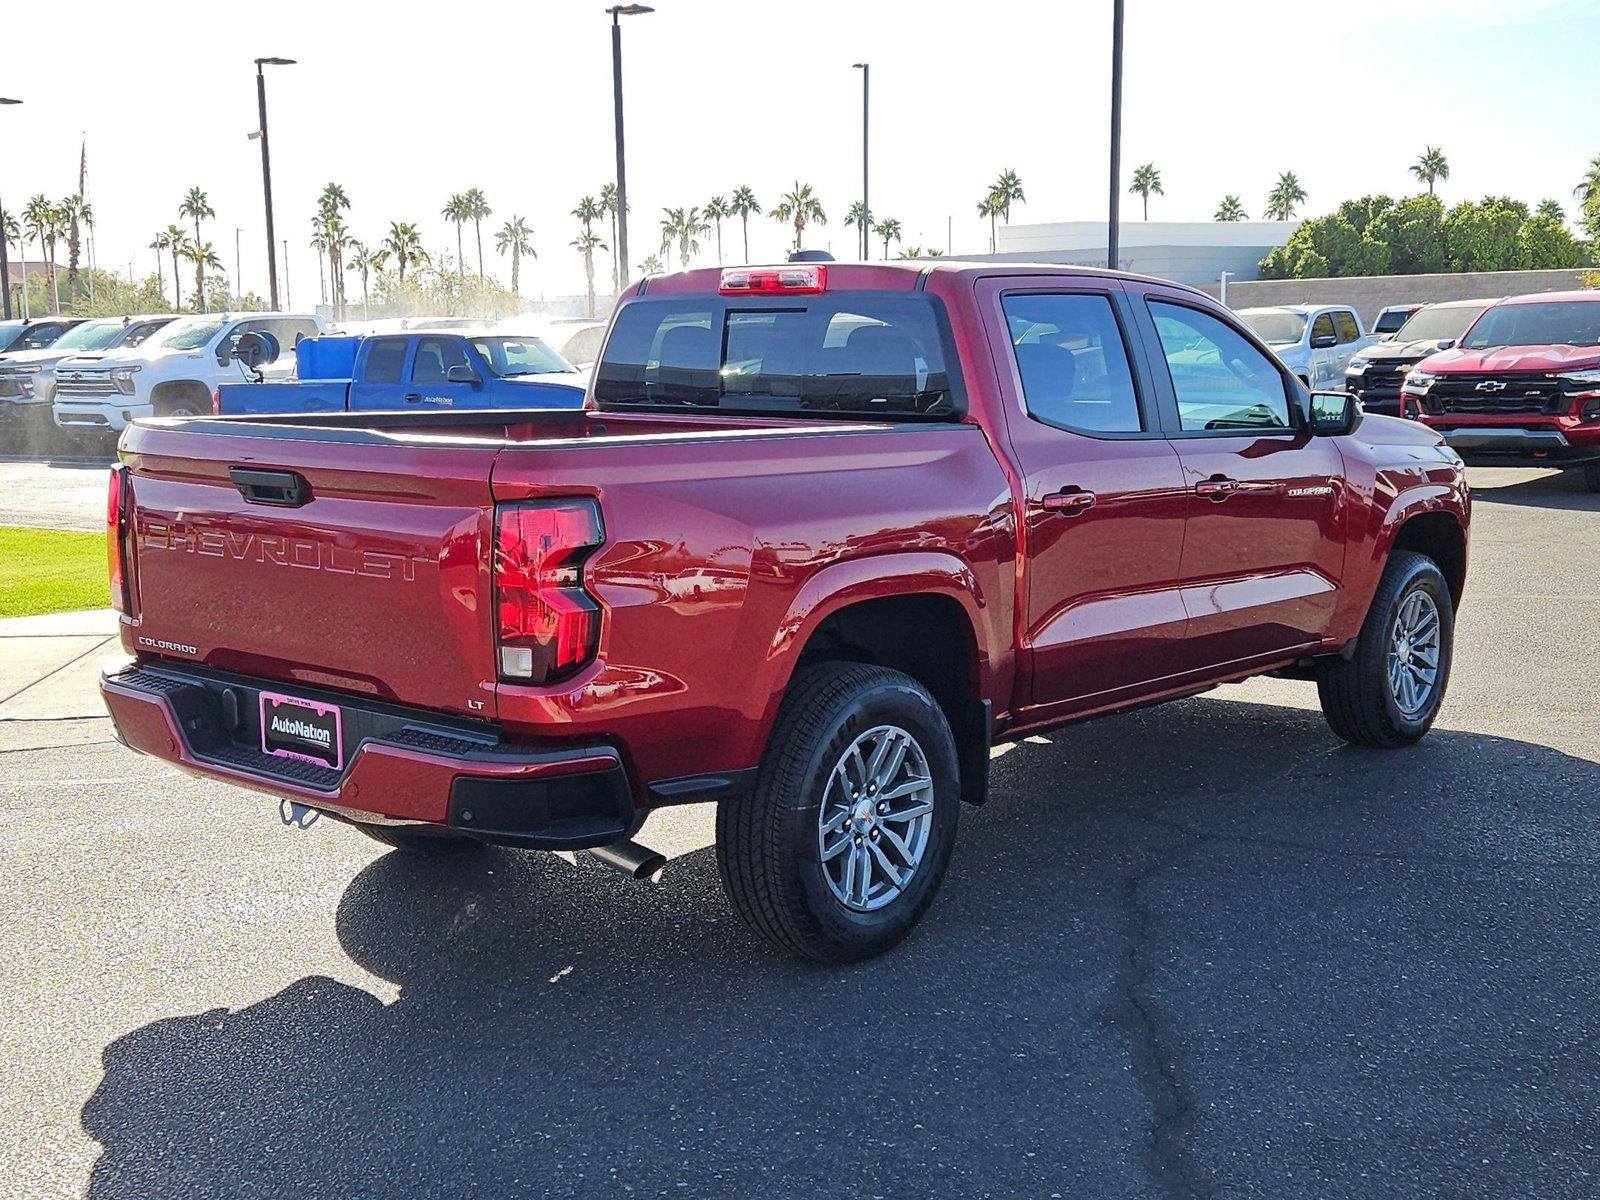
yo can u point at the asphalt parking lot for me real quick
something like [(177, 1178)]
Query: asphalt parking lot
[(1201, 950)]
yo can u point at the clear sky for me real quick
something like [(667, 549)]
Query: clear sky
[(404, 104)]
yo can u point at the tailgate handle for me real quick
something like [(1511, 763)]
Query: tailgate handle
[(283, 488)]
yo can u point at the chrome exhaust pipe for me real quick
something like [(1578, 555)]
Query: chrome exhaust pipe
[(633, 860)]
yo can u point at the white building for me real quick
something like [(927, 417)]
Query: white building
[(1193, 252)]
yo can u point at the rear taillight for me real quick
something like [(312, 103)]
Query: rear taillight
[(116, 527), (547, 625), (774, 281)]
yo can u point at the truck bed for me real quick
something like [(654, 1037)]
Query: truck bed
[(380, 584)]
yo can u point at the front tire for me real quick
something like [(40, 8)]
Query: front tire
[(1389, 692), (844, 842)]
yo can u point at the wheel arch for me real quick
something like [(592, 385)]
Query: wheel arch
[(171, 391), (918, 613), (1439, 535)]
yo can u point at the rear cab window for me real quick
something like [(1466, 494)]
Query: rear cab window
[(846, 354)]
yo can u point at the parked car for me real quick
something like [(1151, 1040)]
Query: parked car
[(27, 377), (33, 334), (823, 535), (577, 340), (172, 374), (486, 369), (1375, 374), (1389, 320), (1521, 388), (1315, 341)]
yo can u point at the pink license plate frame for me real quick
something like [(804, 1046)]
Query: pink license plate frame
[(278, 702)]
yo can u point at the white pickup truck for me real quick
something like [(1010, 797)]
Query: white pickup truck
[(171, 375), (1315, 341)]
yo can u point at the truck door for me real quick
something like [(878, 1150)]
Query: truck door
[(1104, 501), (431, 386), (1323, 341), (380, 372), (1263, 546)]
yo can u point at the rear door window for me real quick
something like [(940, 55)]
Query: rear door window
[(386, 360), (1072, 362), (1345, 323), (435, 357), (848, 354)]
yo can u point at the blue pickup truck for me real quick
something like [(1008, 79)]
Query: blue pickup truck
[(424, 370)]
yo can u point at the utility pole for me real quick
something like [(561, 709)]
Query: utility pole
[(238, 267), (266, 178), (5, 263), (617, 13), (1113, 223), (866, 206), (288, 303)]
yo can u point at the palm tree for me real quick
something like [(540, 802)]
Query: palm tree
[(78, 215), (11, 231), (319, 243), (515, 239), (1231, 209), (330, 205), (1589, 185), (990, 207), (43, 221), (1146, 179), (172, 239), (608, 205), (197, 207), (457, 212), (203, 255), (691, 225), (743, 204), (477, 207), (652, 266), (672, 221), (35, 221), (405, 244), (889, 230), (799, 207), (1008, 189), (1432, 165), (365, 262), (717, 208), (861, 220), (587, 243), (1283, 198)]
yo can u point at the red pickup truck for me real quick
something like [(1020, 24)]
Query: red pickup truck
[(823, 535), (1521, 388)]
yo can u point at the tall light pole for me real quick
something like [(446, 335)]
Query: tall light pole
[(866, 210), (617, 12), (5, 263), (1113, 223), (266, 172), (238, 265)]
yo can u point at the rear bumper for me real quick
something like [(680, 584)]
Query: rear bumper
[(401, 767)]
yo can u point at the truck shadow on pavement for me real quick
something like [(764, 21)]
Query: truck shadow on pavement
[(1559, 490), (1203, 949)]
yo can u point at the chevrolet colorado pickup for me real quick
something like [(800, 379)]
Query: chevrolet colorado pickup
[(1521, 388), (822, 535), (489, 369), (1375, 374)]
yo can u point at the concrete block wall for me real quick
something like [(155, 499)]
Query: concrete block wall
[(1369, 294)]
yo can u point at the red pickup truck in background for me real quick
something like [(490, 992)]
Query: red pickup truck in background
[(1521, 388), (823, 535)]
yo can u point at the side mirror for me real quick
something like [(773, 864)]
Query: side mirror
[(461, 374), (1447, 344), (1326, 342), (1334, 414)]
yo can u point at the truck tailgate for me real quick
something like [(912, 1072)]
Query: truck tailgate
[(378, 583)]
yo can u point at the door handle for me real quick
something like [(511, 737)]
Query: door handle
[(1068, 500), (413, 397), (1217, 489)]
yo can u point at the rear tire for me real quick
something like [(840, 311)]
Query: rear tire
[(1591, 476), (844, 842), (1389, 692), (428, 845)]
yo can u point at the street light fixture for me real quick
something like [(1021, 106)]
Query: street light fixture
[(266, 171), (618, 11), (866, 211), (5, 265)]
